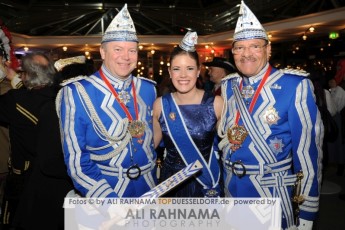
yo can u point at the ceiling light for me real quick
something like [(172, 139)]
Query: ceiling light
[(87, 53), (304, 37), (26, 49), (153, 51), (64, 48), (311, 29)]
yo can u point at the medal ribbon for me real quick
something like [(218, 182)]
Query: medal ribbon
[(123, 106), (256, 95)]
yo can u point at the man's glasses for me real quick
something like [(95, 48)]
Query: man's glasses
[(251, 48)]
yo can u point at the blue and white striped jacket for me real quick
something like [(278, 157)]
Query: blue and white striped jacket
[(289, 135), (97, 146)]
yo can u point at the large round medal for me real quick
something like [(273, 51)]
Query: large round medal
[(136, 128), (236, 136)]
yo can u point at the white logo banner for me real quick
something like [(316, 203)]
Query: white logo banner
[(173, 213)]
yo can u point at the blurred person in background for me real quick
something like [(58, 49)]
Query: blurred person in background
[(20, 110), (337, 149), (218, 68), (49, 170)]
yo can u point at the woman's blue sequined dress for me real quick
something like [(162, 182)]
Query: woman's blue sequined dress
[(200, 120)]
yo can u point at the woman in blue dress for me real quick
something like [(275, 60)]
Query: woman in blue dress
[(185, 124)]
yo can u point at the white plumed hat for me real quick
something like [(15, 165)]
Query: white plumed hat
[(248, 26), (121, 28)]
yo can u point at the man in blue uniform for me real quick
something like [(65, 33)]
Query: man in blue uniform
[(106, 120), (271, 129)]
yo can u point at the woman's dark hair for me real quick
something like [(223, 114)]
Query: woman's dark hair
[(177, 51), (37, 72)]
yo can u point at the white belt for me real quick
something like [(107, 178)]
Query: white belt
[(132, 172)]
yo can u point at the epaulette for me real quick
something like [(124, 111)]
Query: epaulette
[(229, 76), (149, 80), (298, 72), (73, 79)]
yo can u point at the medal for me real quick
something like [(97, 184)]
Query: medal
[(276, 145), (236, 136), (136, 128), (271, 116), (247, 92), (211, 193), (172, 116), (124, 96)]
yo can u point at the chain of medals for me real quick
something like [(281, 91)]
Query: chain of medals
[(238, 133), (136, 127)]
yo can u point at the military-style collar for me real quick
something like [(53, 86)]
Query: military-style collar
[(118, 83), (254, 79)]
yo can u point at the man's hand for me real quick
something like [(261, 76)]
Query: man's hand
[(11, 74), (117, 215), (14, 77)]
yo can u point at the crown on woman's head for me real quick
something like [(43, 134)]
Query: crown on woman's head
[(189, 41)]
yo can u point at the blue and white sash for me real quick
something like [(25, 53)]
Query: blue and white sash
[(189, 152), (266, 154), (259, 141), (173, 181)]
